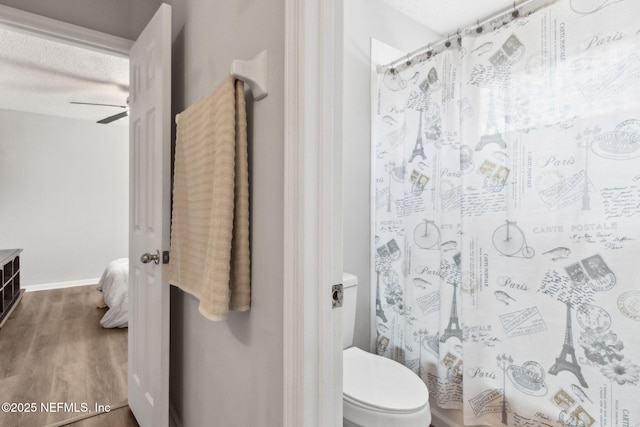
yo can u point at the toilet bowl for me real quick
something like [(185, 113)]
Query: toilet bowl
[(377, 392)]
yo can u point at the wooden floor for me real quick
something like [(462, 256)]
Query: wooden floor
[(53, 349), (122, 417)]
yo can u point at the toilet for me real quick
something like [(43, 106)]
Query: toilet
[(377, 391)]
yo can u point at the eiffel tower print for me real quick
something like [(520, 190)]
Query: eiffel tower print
[(453, 329), (379, 310), (418, 150), (562, 362), (491, 134)]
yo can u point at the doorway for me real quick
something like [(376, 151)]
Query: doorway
[(67, 179)]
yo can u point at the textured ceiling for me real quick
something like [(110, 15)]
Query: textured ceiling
[(43, 76), (447, 16)]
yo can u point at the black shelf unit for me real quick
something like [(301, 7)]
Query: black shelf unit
[(10, 291)]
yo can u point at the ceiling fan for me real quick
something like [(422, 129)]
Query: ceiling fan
[(109, 119)]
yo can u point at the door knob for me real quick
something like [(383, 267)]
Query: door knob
[(147, 258)]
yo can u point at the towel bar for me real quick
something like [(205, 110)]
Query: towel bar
[(254, 73)]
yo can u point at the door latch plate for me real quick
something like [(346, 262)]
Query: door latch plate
[(336, 295)]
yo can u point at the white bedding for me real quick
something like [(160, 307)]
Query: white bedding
[(113, 285)]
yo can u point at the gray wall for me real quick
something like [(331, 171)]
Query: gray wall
[(364, 19), (122, 18), (64, 195), (229, 373)]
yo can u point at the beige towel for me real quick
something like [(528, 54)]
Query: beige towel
[(210, 223)]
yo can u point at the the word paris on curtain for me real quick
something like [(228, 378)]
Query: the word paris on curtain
[(507, 219)]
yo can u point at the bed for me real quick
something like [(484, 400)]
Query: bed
[(113, 285)]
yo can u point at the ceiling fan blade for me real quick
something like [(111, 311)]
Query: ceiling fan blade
[(101, 105), (113, 118)]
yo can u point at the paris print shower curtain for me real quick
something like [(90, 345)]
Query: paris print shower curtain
[(507, 200)]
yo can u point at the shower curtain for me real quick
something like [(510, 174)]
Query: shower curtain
[(506, 172)]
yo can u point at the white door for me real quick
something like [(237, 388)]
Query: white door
[(150, 196)]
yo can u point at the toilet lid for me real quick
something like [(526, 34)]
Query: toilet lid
[(381, 383)]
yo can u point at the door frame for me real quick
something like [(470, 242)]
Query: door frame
[(312, 213)]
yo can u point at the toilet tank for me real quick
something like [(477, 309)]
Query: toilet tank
[(350, 291)]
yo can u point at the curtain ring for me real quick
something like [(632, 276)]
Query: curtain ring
[(459, 38), (429, 51), (408, 63), (447, 44), (515, 12), (479, 27)]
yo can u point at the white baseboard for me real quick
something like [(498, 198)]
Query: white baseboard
[(60, 285)]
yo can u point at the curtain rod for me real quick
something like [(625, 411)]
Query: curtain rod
[(426, 52)]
